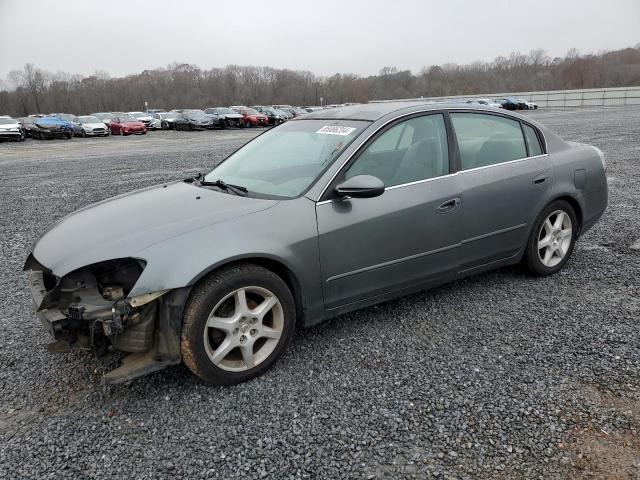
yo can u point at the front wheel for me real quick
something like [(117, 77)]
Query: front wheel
[(552, 239), (237, 323)]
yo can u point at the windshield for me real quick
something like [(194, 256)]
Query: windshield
[(251, 111), (103, 116), (138, 114), (285, 160), (127, 118), (66, 116), (7, 121), (197, 116), (89, 119), (226, 111)]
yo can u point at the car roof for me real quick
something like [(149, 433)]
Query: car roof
[(374, 111)]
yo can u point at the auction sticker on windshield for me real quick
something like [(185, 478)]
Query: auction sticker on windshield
[(336, 130)]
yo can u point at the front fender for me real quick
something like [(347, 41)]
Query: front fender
[(285, 233)]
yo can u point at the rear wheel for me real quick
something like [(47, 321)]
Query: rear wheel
[(237, 323), (552, 239)]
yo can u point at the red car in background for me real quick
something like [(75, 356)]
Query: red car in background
[(126, 124), (253, 118)]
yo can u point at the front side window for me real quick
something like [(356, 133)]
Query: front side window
[(487, 139), (284, 161), (413, 150)]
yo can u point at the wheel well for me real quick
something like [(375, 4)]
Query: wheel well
[(279, 269), (576, 208)]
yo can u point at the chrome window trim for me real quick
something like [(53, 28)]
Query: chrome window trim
[(439, 177), (434, 111), (503, 163)]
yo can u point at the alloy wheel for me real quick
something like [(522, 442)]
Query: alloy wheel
[(243, 329), (554, 238)]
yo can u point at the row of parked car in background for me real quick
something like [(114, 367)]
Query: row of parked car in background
[(509, 103), (103, 124), (66, 125)]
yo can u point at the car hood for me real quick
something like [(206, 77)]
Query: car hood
[(7, 126), (51, 122), (126, 225), (231, 115), (137, 123), (94, 125)]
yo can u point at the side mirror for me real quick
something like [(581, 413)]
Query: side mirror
[(361, 186)]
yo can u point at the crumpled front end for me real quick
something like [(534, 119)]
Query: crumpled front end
[(90, 309)]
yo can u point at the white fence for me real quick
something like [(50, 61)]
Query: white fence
[(557, 98)]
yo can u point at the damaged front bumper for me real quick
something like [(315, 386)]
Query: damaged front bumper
[(90, 309)]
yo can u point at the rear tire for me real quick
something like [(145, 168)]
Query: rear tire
[(226, 337), (552, 239)]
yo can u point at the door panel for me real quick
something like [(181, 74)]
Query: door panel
[(379, 245), (500, 204), (502, 189)]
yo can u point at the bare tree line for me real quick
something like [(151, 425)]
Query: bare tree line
[(187, 86)]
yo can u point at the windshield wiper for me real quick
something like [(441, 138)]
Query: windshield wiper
[(237, 189), (229, 187)]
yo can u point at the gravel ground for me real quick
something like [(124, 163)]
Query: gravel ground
[(497, 376)]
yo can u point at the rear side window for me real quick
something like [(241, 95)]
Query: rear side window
[(532, 140), (487, 139)]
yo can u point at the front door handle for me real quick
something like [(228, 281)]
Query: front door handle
[(449, 205)]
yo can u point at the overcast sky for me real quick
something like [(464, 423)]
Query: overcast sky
[(325, 37)]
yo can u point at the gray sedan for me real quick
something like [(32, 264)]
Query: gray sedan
[(327, 213)]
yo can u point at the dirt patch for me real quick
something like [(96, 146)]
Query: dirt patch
[(601, 454)]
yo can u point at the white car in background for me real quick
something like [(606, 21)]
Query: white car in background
[(486, 102), (104, 117), (10, 129), (90, 126), (165, 120), (146, 119), (530, 105)]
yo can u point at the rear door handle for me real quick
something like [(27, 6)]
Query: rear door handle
[(449, 205), (537, 180)]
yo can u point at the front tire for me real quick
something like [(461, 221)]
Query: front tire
[(237, 323), (552, 239)]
